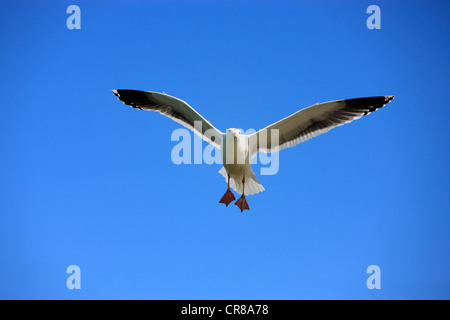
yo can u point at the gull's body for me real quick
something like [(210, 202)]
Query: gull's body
[(238, 149), (236, 157)]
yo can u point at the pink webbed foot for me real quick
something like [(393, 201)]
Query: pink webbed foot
[(242, 203), (227, 198)]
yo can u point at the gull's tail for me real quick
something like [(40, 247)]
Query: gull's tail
[(252, 185)]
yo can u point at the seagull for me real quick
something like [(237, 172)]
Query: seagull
[(238, 149)]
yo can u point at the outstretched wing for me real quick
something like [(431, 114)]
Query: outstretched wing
[(313, 121), (175, 109)]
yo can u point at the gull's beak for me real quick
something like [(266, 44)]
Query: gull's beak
[(235, 134)]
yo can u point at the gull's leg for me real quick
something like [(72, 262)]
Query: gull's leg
[(228, 196), (242, 202)]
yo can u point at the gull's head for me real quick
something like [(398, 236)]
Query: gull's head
[(233, 132)]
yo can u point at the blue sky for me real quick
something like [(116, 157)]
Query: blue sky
[(88, 181)]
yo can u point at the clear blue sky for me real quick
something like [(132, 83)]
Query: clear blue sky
[(90, 182)]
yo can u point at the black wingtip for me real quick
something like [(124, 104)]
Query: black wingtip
[(134, 98), (130, 97), (369, 104)]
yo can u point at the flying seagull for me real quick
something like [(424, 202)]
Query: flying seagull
[(238, 149)]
